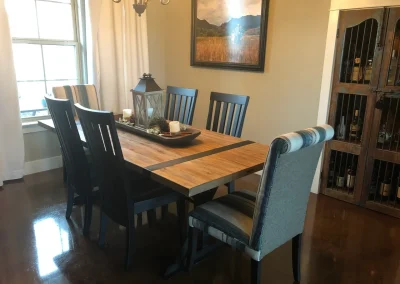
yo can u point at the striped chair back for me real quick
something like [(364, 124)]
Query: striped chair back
[(285, 186), (84, 95)]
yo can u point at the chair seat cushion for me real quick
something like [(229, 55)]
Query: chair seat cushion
[(231, 214)]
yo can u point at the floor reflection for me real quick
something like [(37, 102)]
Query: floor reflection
[(51, 241)]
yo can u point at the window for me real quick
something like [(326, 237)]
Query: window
[(46, 50)]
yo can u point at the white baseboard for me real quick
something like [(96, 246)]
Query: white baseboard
[(259, 173), (38, 166)]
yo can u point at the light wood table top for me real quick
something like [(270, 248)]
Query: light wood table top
[(211, 160)]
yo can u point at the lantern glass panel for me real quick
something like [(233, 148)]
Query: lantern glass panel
[(147, 106)]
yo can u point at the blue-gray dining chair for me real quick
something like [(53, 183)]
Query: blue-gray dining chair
[(180, 104), (79, 174), (123, 193), (258, 223), (226, 115)]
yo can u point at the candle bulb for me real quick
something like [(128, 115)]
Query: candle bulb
[(174, 127), (126, 114), (150, 112)]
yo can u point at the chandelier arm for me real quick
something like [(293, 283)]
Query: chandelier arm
[(142, 5)]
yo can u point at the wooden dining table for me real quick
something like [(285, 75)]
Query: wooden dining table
[(195, 170), (211, 160)]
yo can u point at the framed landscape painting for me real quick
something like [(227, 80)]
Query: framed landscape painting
[(229, 34)]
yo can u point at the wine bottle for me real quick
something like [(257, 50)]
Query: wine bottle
[(357, 73), (385, 186), (383, 135), (368, 71), (341, 129), (351, 177), (340, 177), (355, 127)]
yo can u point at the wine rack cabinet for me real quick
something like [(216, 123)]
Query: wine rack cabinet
[(384, 188), (362, 163), (342, 175)]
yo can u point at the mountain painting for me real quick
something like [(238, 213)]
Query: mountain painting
[(229, 33)]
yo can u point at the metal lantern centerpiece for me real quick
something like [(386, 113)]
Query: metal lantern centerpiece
[(147, 101)]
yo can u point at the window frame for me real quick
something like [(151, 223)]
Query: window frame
[(76, 42)]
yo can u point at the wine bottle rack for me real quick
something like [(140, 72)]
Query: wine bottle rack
[(389, 129), (359, 42), (348, 105), (385, 184), (342, 172), (362, 163)]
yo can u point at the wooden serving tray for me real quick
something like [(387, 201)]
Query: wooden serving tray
[(172, 140)]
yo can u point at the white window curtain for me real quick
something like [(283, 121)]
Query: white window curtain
[(117, 51), (11, 139)]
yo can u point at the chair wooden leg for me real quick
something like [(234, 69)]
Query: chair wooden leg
[(64, 173), (103, 229), (88, 215), (139, 219), (204, 239), (193, 234), (151, 217), (255, 272), (182, 217), (296, 256), (231, 187), (70, 202), (130, 242), (164, 211)]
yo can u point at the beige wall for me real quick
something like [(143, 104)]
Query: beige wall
[(41, 145), (283, 98), (156, 27)]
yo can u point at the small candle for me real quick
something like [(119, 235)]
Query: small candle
[(174, 127), (126, 114)]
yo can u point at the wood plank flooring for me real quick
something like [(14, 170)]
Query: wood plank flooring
[(342, 244)]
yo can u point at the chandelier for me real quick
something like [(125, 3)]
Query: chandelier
[(141, 5)]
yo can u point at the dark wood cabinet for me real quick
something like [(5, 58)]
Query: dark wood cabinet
[(362, 162)]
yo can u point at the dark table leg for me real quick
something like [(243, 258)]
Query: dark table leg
[(80, 200), (180, 262)]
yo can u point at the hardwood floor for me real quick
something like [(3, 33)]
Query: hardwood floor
[(342, 243)]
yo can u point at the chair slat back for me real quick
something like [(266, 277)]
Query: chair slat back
[(77, 166), (180, 104), (226, 113), (85, 95), (102, 139), (285, 186)]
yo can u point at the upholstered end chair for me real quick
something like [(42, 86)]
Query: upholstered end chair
[(258, 223), (85, 95)]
